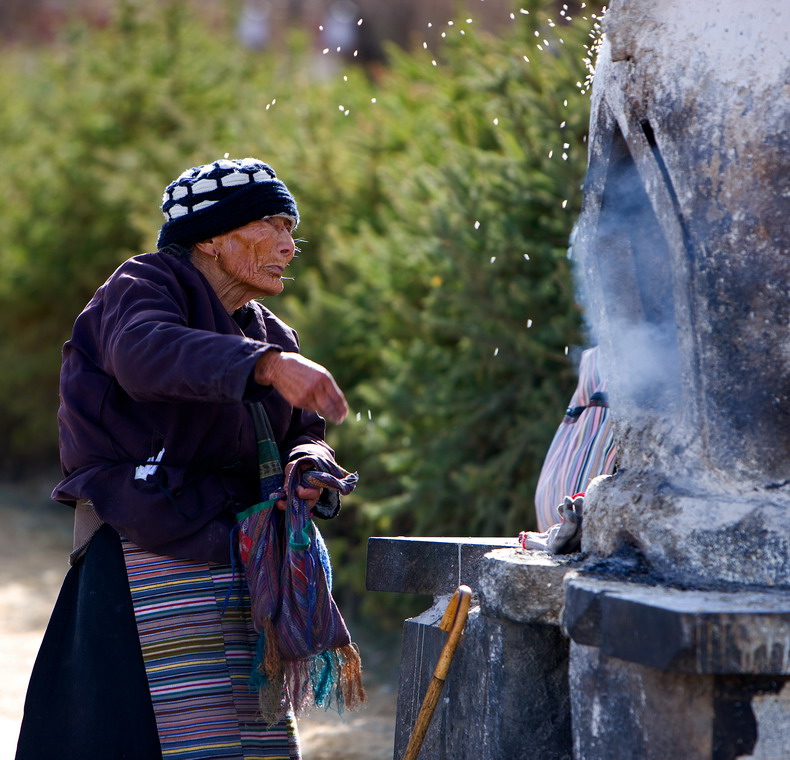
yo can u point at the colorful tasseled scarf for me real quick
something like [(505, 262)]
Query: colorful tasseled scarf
[(305, 653)]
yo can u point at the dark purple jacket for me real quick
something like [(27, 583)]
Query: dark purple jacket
[(155, 364)]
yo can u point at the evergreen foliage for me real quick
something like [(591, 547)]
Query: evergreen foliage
[(437, 200)]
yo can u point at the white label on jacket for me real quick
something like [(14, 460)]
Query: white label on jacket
[(142, 471)]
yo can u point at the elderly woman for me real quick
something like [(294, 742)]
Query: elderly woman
[(143, 656)]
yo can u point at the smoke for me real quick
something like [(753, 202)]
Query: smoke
[(643, 369), (624, 283)]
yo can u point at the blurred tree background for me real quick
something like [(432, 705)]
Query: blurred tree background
[(438, 171)]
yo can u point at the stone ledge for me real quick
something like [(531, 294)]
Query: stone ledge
[(703, 632), (523, 586), (427, 565)]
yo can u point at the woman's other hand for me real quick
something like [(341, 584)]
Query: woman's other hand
[(303, 383), (310, 495), (306, 493)]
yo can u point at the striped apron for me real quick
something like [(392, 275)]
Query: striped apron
[(198, 645)]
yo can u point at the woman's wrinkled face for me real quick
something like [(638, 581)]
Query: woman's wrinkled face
[(256, 255)]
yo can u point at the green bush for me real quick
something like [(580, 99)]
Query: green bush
[(437, 196), (88, 140), (451, 304)]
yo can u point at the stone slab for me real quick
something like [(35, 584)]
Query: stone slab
[(681, 631), (523, 586), (427, 565)]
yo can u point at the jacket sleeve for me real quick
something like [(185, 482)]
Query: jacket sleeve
[(305, 437), (148, 346)]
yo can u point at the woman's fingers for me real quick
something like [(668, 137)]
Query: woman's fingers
[(308, 494), (302, 383)]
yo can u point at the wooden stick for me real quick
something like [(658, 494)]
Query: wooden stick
[(453, 621)]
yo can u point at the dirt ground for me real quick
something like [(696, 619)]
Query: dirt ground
[(34, 545)]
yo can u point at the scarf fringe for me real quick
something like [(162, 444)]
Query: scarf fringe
[(331, 679)]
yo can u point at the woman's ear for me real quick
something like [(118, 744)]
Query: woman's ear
[(207, 248)]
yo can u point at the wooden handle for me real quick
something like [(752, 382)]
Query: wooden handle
[(453, 621)]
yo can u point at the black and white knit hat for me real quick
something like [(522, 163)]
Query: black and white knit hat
[(219, 197)]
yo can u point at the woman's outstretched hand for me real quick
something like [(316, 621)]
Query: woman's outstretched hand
[(303, 383)]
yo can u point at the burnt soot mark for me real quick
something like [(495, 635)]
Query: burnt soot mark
[(735, 729), (626, 563), (650, 136)]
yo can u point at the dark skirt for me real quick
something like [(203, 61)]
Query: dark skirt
[(146, 656), (88, 696)]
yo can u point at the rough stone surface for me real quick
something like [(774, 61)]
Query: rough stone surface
[(523, 586), (427, 565), (735, 538), (506, 695), (771, 713), (684, 261), (623, 710)]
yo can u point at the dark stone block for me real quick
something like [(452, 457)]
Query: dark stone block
[(581, 615), (649, 635), (624, 710), (684, 631), (630, 712), (427, 565), (506, 696)]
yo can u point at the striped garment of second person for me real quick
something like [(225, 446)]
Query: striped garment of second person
[(583, 446)]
